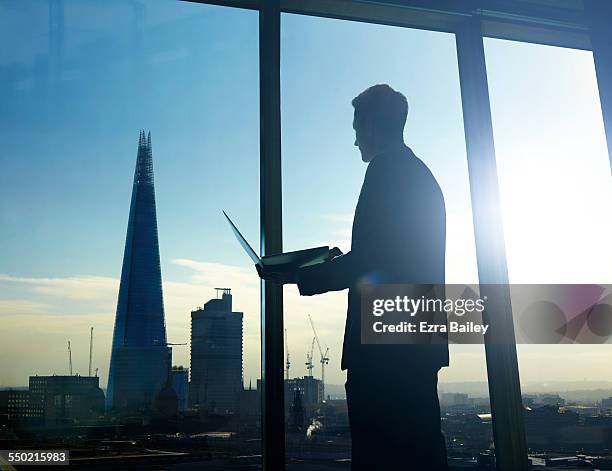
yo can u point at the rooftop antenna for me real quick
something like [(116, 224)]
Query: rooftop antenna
[(96, 372), (287, 362), (69, 358), (90, 348), (224, 290)]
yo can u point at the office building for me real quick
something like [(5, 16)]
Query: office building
[(179, 379), (140, 357), (65, 400), (454, 399), (310, 388), (216, 356), (15, 409)]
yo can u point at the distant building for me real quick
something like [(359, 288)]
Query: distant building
[(179, 378), (166, 402), (297, 412), (249, 405), (216, 356), (606, 404), (311, 392), (140, 356), (467, 431), (583, 410), (16, 410), (594, 434), (454, 399), (538, 400), (551, 400), (335, 412), (66, 400), (544, 424)]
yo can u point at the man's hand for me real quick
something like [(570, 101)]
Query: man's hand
[(288, 277), (280, 277), (333, 253)]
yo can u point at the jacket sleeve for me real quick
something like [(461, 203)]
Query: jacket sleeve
[(379, 243), (334, 275), (370, 261)]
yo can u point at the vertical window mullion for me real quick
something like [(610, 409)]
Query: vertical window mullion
[(500, 347), (272, 362)]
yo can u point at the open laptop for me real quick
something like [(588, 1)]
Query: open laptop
[(283, 261)]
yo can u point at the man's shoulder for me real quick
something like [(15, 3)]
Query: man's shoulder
[(403, 167), (393, 164)]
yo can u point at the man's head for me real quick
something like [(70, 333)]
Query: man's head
[(379, 120)]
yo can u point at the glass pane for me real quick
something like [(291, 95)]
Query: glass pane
[(554, 177), (78, 84), (324, 65)]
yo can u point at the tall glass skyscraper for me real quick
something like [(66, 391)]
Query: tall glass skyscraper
[(216, 356), (140, 357)]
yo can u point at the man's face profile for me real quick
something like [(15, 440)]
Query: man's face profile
[(362, 140)]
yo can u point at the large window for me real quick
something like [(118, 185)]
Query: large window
[(324, 65), (82, 83), (79, 82), (555, 191)]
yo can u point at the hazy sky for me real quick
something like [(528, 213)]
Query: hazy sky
[(74, 101)]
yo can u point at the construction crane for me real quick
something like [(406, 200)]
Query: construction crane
[(324, 358), (69, 358), (287, 362), (90, 349), (309, 363)]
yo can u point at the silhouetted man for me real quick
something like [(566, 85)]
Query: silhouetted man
[(398, 237)]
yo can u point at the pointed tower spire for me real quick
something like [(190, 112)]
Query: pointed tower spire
[(139, 336)]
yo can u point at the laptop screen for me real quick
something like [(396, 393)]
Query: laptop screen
[(245, 245)]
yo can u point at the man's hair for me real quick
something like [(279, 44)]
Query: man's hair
[(386, 108)]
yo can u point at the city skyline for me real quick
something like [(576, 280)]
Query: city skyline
[(63, 194)]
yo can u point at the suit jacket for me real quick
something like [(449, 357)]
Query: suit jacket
[(398, 236)]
